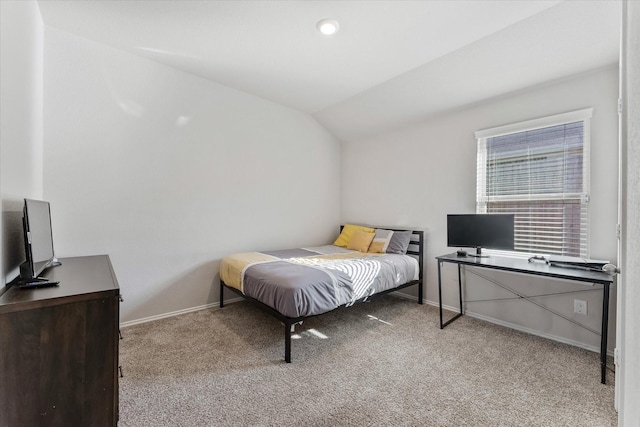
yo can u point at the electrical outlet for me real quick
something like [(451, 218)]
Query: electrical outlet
[(579, 306)]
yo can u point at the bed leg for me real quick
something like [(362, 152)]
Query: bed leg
[(221, 294), (287, 342)]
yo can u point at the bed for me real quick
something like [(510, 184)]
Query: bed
[(295, 284)]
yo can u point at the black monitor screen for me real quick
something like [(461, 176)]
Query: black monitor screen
[(39, 236), (491, 231)]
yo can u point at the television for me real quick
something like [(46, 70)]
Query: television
[(490, 231), (38, 243)]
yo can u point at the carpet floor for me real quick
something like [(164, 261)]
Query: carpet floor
[(382, 363)]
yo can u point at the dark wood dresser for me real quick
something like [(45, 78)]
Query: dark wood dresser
[(59, 348)]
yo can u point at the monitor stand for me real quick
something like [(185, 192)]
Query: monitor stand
[(479, 254), (33, 282)]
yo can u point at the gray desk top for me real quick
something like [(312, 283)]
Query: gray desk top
[(523, 266)]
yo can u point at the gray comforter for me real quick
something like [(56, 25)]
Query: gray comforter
[(310, 281)]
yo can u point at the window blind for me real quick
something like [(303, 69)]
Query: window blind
[(540, 174)]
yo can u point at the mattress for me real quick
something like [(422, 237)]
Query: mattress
[(308, 281)]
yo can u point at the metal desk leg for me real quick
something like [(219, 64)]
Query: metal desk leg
[(442, 325), (460, 288), (603, 333), (440, 295)]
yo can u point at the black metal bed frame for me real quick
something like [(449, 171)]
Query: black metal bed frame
[(290, 322)]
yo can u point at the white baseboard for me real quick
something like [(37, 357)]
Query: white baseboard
[(595, 349), (177, 313), (446, 307), (404, 296), (435, 304)]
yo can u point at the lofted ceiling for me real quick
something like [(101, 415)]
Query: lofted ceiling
[(391, 62)]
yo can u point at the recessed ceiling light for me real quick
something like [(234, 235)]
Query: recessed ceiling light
[(328, 27)]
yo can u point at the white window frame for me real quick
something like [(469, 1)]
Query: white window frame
[(583, 115)]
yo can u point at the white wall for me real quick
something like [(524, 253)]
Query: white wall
[(21, 39), (415, 176), (168, 173)]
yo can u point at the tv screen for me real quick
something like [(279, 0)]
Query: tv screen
[(491, 231), (38, 238)]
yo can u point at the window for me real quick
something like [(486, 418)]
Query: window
[(539, 171)]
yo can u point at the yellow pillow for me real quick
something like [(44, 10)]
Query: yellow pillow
[(360, 240), (347, 232)]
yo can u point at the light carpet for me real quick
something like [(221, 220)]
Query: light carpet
[(382, 363)]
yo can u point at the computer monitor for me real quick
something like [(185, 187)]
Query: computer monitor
[(38, 239), (491, 231)]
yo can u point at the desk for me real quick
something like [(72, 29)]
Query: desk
[(522, 266)]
